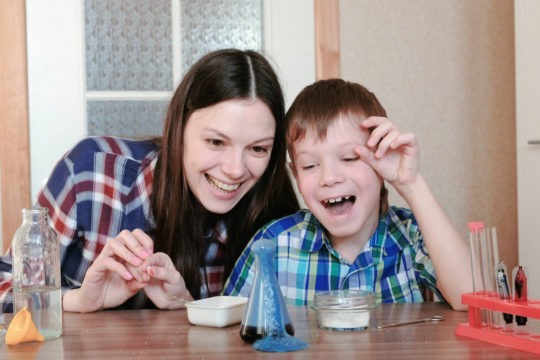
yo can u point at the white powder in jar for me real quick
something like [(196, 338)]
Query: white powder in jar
[(343, 320)]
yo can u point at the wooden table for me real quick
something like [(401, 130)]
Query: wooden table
[(162, 334)]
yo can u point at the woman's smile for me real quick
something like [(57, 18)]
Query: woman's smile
[(228, 188)]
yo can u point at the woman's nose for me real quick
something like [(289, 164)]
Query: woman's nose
[(233, 164)]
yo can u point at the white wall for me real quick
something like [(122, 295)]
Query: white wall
[(527, 25), (445, 70), (55, 82)]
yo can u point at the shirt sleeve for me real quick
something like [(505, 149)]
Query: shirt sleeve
[(87, 196), (6, 300), (241, 279), (422, 261)]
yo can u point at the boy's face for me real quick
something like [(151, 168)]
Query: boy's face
[(339, 188)]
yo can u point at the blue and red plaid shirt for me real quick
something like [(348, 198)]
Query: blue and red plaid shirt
[(99, 188)]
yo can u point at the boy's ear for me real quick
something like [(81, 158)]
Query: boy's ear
[(293, 169)]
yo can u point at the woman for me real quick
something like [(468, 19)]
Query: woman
[(166, 220)]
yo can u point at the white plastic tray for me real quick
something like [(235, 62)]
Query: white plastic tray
[(217, 311)]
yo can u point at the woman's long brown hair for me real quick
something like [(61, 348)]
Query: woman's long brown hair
[(180, 218)]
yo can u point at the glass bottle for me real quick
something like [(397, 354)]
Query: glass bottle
[(36, 272), (266, 311)]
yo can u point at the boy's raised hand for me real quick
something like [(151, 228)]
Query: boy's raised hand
[(392, 154)]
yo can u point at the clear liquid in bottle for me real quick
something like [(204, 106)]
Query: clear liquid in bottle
[(36, 272)]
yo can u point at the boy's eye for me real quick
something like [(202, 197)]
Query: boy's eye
[(350, 158)]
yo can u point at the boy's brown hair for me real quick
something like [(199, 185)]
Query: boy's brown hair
[(320, 104)]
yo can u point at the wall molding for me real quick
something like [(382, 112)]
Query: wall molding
[(327, 43)]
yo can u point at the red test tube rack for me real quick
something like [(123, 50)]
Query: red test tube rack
[(529, 342)]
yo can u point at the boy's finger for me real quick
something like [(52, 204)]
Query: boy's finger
[(385, 143), (403, 139), (373, 121), (379, 133), (365, 154)]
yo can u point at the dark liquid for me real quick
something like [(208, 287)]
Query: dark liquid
[(521, 320), (250, 334)]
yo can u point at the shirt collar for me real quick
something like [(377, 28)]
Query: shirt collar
[(390, 237), (315, 237), (312, 232), (219, 233)]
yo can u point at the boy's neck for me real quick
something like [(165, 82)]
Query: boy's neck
[(350, 247)]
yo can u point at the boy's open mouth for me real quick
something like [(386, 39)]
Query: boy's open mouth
[(340, 204)]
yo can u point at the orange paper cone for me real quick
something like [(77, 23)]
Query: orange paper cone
[(22, 329)]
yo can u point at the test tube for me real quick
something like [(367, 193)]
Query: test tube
[(503, 286), (484, 261), (520, 290), (476, 256), (495, 318), (475, 228)]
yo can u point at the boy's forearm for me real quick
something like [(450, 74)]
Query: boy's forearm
[(447, 249)]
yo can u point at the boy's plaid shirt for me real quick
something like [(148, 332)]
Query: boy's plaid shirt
[(394, 263)]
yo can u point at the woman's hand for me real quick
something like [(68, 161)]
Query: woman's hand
[(114, 276), (392, 154), (166, 287)]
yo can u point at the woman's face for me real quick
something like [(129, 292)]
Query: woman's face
[(227, 148)]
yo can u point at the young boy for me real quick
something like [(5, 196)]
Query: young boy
[(343, 149)]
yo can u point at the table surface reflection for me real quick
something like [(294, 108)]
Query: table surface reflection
[(164, 334)]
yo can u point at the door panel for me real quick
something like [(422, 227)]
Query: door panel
[(527, 13)]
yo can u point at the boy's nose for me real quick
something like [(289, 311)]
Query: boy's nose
[(330, 175)]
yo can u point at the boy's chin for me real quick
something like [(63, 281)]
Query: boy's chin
[(339, 231)]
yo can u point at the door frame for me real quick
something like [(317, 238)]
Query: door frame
[(14, 157)]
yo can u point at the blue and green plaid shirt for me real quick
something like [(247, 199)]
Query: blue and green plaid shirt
[(394, 263)]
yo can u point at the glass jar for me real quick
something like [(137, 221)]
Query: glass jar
[(36, 272), (343, 310)]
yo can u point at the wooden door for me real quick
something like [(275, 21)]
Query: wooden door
[(14, 153)]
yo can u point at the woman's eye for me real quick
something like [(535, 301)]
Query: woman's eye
[(260, 149), (216, 142)]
